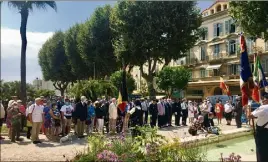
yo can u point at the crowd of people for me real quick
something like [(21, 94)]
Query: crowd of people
[(55, 118)]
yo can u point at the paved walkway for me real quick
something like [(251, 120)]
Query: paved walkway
[(51, 151)]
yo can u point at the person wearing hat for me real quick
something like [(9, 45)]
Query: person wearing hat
[(238, 110), (15, 115), (261, 134), (36, 118), (66, 116)]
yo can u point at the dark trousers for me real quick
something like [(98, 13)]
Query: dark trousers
[(238, 121), (177, 119), (23, 122), (106, 123), (261, 144), (29, 129), (206, 121), (170, 119), (145, 114), (161, 120), (15, 131), (184, 116), (153, 120), (211, 122)]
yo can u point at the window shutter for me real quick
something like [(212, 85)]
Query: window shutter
[(227, 27), (227, 47), (221, 29), (215, 50), (215, 30), (206, 34)]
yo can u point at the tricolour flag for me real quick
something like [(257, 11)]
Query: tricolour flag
[(246, 80), (123, 96), (224, 87), (258, 74)]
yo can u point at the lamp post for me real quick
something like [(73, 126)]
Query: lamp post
[(94, 68)]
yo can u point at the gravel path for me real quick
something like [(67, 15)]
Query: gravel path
[(46, 151)]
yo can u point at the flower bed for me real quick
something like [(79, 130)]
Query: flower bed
[(148, 146)]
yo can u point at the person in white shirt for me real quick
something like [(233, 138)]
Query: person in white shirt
[(2, 116), (184, 111), (66, 114), (228, 110), (36, 118), (112, 115), (144, 107), (261, 135)]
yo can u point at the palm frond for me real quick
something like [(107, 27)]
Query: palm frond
[(29, 5)]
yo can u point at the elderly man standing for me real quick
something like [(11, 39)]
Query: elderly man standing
[(112, 115), (238, 112), (81, 115), (36, 118), (261, 134)]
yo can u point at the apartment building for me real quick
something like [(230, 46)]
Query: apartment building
[(42, 84), (217, 53)]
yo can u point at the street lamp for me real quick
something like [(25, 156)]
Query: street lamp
[(94, 72)]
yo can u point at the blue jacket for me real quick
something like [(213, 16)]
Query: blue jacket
[(90, 111)]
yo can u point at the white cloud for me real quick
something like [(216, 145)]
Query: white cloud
[(10, 54)]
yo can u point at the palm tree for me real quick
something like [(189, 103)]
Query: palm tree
[(24, 7)]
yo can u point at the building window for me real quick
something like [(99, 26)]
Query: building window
[(266, 46), (225, 7), (218, 8), (230, 26), (249, 45), (234, 69), (203, 53), (191, 75), (216, 49), (204, 33), (182, 62), (202, 73), (265, 65), (212, 11), (217, 29), (232, 47)]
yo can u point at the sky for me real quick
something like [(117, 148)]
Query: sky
[(41, 25)]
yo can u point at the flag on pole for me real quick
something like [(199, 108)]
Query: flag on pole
[(123, 96), (246, 80), (258, 74), (224, 87)]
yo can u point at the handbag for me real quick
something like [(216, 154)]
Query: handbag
[(28, 116)]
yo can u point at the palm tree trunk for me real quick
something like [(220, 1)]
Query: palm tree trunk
[(24, 17)]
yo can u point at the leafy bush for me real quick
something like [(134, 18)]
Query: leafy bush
[(148, 146)]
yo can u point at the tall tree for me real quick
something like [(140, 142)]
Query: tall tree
[(171, 78), (251, 16), (150, 33), (116, 79), (54, 63), (24, 7), (95, 45), (78, 64)]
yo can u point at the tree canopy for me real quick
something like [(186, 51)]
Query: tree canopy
[(171, 78), (251, 16), (54, 63), (116, 79), (149, 33), (95, 43)]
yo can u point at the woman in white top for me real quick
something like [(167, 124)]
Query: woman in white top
[(191, 112), (228, 110)]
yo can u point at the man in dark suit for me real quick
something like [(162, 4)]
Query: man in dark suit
[(81, 115), (176, 108), (153, 113), (238, 109)]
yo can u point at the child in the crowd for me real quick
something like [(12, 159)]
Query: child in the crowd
[(55, 120), (47, 122), (90, 118)]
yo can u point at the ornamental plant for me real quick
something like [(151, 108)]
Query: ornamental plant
[(231, 158)]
